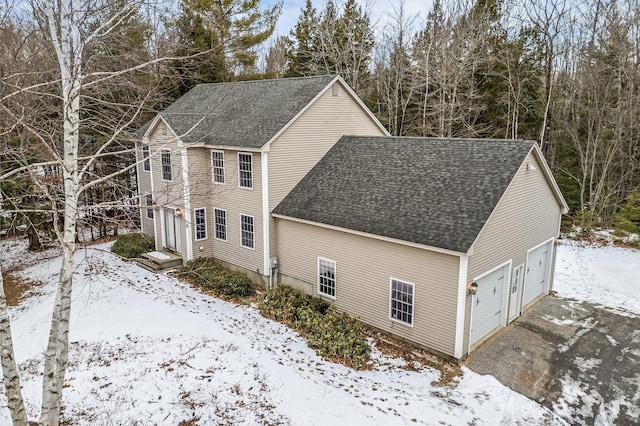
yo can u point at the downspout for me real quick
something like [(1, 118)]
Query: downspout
[(187, 200)]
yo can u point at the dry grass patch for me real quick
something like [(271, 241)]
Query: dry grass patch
[(17, 289)]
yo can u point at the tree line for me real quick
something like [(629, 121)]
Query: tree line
[(563, 73), (560, 73)]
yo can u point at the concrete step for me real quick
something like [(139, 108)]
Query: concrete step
[(159, 260)]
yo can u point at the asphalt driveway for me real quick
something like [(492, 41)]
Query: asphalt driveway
[(579, 359)]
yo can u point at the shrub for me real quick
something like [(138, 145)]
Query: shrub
[(333, 335), (280, 304), (206, 273), (340, 336), (132, 245)]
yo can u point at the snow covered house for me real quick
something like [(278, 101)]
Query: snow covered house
[(438, 241)]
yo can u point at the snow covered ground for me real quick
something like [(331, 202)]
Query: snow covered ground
[(148, 349), (604, 275)]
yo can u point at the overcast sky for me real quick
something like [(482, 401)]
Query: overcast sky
[(380, 10)]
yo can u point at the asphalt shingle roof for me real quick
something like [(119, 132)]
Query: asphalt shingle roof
[(436, 192), (245, 114)]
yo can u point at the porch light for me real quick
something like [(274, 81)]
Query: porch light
[(179, 212), (472, 288), (154, 205)]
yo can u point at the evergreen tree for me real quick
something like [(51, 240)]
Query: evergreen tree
[(217, 39), (333, 43), (301, 50)]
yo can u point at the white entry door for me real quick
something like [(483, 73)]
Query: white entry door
[(514, 292), (170, 238), (538, 263), (487, 304)]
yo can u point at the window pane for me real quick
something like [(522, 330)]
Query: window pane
[(221, 224), (146, 164), (245, 170), (401, 303), (246, 226), (149, 202), (165, 160), (200, 222), (217, 159), (327, 277)]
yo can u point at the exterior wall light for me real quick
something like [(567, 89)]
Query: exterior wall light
[(472, 288), (179, 212)]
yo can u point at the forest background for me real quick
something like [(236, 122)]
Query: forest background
[(563, 73)]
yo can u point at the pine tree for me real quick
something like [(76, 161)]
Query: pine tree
[(301, 52), (218, 38)]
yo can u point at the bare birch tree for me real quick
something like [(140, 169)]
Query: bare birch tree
[(15, 402)]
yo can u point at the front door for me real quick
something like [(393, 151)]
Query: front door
[(514, 291), (170, 229)]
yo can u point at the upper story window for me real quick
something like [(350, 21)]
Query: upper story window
[(401, 307), (245, 170), (146, 163), (326, 277), (200, 220), (246, 231), (165, 161), (217, 162)]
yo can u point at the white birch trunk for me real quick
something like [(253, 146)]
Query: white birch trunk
[(66, 38), (15, 403)]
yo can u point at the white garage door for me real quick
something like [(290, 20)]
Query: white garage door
[(538, 263), (486, 312)]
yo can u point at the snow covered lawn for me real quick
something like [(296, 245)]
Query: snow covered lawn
[(604, 275), (148, 349)]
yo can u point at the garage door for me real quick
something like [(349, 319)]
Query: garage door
[(488, 304), (535, 282)]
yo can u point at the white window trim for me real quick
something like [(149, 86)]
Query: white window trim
[(335, 278), (164, 151), (213, 175), (413, 301), (240, 172), (254, 232), (195, 224), (146, 159), (226, 227)]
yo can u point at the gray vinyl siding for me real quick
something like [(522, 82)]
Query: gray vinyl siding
[(527, 215), (364, 267), (232, 198), (201, 192), (308, 139)]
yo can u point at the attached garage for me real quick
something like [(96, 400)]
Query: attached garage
[(434, 214), (487, 305), (537, 272)]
